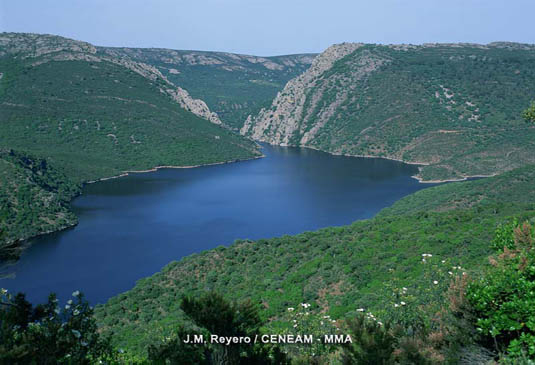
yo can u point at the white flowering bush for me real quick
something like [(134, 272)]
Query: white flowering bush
[(304, 319), (410, 304)]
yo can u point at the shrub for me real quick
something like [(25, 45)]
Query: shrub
[(503, 300)]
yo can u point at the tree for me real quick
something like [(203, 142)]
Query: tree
[(175, 351), (48, 333), (382, 344), (215, 314), (529, 113), (372, 343)]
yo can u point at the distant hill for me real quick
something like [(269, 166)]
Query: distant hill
[(233, 86), (456, 108), (91, 115)]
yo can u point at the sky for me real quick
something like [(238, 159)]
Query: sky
[(271, 27)]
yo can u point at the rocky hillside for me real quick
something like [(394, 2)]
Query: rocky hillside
[(454, 108), (233, 86), (85, 115), (46, 48)]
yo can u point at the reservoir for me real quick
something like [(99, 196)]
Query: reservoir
[(131, 227)]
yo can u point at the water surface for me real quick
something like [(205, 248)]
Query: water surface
[(131, 227)]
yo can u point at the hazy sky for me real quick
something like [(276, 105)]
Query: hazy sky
[(270, 27)]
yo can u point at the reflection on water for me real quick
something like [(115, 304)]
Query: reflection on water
[(132, 226)]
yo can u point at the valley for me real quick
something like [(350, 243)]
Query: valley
[(272, 188)]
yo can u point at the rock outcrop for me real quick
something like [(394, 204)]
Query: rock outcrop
[(278, 124), (196, 106)]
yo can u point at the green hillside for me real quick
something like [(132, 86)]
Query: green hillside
[(232, 85), (514, 186), (34, 198), (454, 107), (337, 270), (98, 120), (91, 116)]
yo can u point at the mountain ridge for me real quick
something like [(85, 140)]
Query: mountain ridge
[(73, 49), (232, 85)]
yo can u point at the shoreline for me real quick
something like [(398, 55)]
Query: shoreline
[(416, 177), (156, 168), (21, 244), (365, 156), (25, 242), (464, 178)]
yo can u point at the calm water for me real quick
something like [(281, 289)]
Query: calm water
[(131, 227)]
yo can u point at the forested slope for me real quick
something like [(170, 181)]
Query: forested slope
[(338, 270), (456, 108), (515, 186)]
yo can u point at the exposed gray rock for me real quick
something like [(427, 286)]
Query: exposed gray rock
[(278, 124), (196, 106)]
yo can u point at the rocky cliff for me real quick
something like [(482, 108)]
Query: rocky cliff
[(279, 123)]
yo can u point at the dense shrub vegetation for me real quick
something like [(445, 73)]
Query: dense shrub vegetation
[(503, 300), (98, 120), (372, 265), (477, 316), (71, 117), (456, 108), (34, 198)]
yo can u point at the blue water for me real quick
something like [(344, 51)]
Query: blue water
[(131, 227)]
